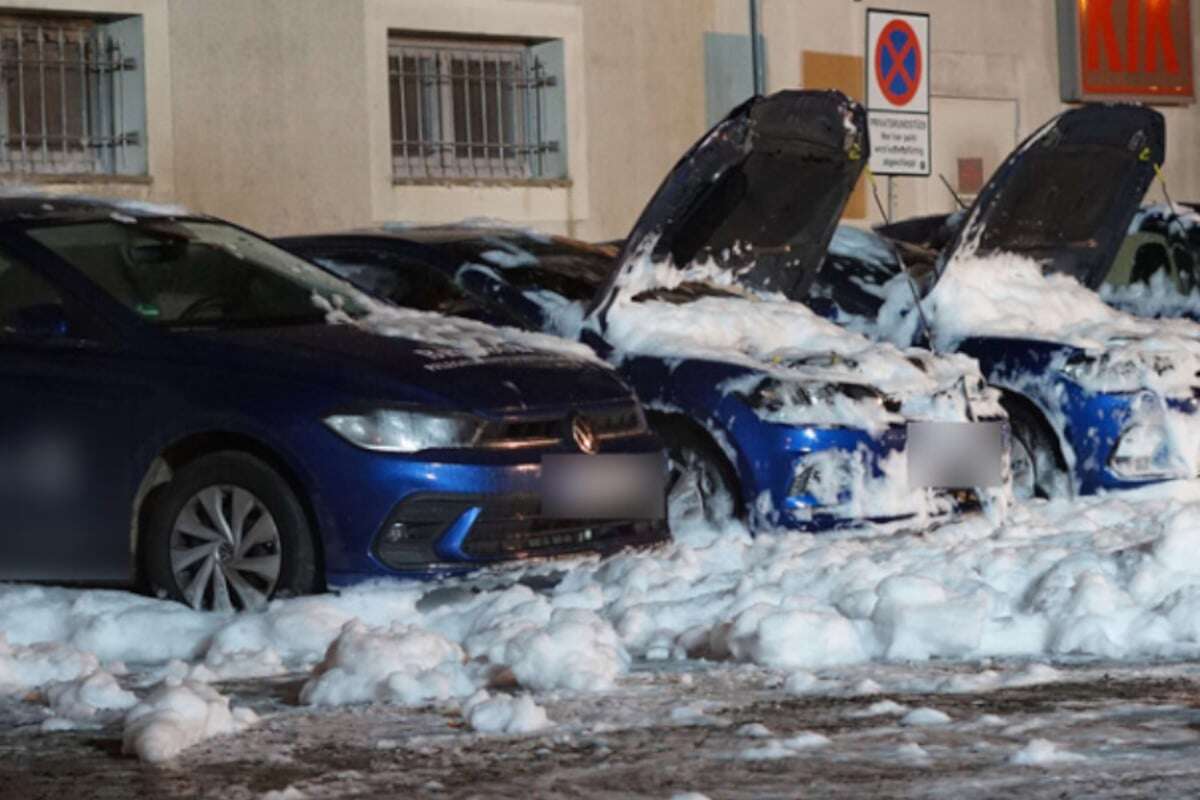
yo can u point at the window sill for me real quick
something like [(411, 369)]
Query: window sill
[(488, 183), (49, 179)]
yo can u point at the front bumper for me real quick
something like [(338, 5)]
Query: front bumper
[(1095, 423), (457, 517), (872, 488)]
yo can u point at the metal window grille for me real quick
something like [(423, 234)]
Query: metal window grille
[(61, 98), (460, 111)]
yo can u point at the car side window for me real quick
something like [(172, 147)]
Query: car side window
[(1140, 258), (1150, 259), (407, 282), (32, 307)]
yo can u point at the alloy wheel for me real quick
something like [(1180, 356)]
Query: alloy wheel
[(225, 550)]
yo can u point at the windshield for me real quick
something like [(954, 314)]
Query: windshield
[(570, 269), (203, 274)]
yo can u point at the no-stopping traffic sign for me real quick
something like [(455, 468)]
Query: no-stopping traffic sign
[(898, 62)]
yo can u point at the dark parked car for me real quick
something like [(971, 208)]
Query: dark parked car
[(186, 405), (768, 410)]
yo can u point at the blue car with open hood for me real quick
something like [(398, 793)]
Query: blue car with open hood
[(768, 411), (1098, 399), (188, 407)]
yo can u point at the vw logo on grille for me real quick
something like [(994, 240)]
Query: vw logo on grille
[(583, 434)]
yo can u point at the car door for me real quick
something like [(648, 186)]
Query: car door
[(67, 398)]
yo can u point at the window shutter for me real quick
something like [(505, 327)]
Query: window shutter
[(130, 86), (551, 58), (728, 72)]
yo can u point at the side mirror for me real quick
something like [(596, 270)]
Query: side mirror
[(43, 321)]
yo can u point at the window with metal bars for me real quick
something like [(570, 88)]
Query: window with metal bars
[(64, 97), (479, 110)]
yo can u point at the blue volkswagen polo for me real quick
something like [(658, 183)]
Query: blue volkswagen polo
[(185, 406)]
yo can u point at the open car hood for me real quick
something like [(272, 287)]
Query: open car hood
[(1067, 195), (754, 202)]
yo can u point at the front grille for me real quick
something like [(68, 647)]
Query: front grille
[(608, 423), (507, 527)]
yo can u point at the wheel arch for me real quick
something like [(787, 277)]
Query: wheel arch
[(190, 447), (659, 419), (1027, 406)]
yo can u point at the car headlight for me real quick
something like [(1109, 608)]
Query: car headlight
[(775, 395), (1144, 450), (395, 431), (1083, 368)]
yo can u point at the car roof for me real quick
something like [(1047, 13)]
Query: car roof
[(425, 234), (41, 207), (470, 236)]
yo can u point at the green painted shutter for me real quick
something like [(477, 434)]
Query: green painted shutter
[(728, 72), (130, 86), (552, 112)]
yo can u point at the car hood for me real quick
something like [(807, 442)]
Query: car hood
[(1065, 198), (447, 361), (857, 383), (753, 203)]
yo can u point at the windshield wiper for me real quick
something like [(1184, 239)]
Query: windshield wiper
[(685, 293)]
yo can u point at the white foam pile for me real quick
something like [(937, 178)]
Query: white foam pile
[(784, 340), (1007, 296), (488, 713), (1111, 577), (177, 715), (1158, 297)]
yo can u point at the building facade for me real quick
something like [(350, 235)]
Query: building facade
[(303, 115)]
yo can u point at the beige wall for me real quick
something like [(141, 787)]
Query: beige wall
[(270, 111), (557, 208), (645, 91)]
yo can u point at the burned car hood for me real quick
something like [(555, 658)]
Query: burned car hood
[(754, 202), (1065, 198)]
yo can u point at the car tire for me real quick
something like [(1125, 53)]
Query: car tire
[(228, 533), (702, 487), (1038, 468)]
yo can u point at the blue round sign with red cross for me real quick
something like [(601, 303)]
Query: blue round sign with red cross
[(898, 62)]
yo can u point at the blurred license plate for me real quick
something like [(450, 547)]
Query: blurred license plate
[(955, 455), (605, 486)]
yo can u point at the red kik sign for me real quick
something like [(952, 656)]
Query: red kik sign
[(1135, 48)]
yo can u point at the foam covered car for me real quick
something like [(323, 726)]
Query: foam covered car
[(1098, 399)]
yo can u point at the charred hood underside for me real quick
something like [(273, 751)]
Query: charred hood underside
[(760, 195)]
